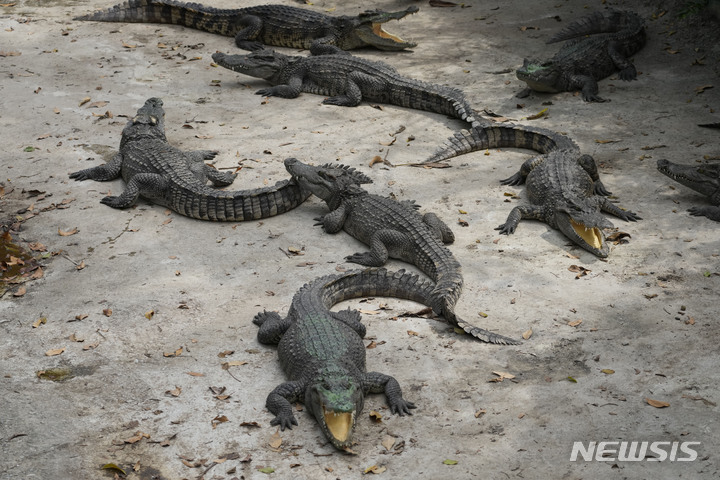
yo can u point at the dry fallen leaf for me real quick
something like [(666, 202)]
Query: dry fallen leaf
[(20, 292), (574, 323), (388, 442), (527, 334), (218, 420), (176, 353), (67, 233), (175, 393), (607, 371), (375, 416), (39, 321), (657, 403), (275, 440), (54, 351), (480, 413), (149, 314)]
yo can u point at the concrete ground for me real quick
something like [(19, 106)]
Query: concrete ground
[(150, 312)]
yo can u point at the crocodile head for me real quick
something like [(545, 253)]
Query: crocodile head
[(583, 223), (148, 121), (367, 30), (539, 76), (325, 181), (263, 64), (335, 398), (704, 178)]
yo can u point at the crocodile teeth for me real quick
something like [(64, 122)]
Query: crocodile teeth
[(593, 236), (339, 424)]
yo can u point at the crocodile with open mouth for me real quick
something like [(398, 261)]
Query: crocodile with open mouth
[(277, 25), (704, 178)]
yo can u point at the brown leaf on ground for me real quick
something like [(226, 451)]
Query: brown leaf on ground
[(218, 420), (375, 416), (67, 233), (656, 403), (176, 353), (527, 334), (175, 392), (388, 442), (581, 271), (275, 440), (54, 351), (574, 323), (39, 321)]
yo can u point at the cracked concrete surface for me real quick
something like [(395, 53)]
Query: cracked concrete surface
[(648, 313)]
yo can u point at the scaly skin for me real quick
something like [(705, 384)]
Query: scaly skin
[(347, 80), (392, 229), (704, 179), (278, 25), (584, 60), (163, 174), (563, 185), (323, 354)]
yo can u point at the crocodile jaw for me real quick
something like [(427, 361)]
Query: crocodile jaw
[(592, 236), (339, 427), (591, 239), (701, 178), (374, 34)]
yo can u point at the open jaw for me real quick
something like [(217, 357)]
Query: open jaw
[(592, 236), (339, 426)]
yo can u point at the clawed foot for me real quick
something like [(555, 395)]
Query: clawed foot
[(319, 222), (112, 201), (285, 421), (80, 175), (630, 216), (265, 92), (506, 229), (516, 179), (402, 407)]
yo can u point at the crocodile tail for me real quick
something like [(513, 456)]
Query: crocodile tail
[(191, 15), (239, 205), (500, 136), (612, 21)]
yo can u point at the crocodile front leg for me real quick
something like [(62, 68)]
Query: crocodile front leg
[(381, 242), (280, 400), (713, 213), (588, 86), (519, 213), (101, 173), (290, 90), (376, 382), (150, 184), (626, 67), (333, 222), (609, 207), (525, 169)]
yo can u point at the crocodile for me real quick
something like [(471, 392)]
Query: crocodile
[(563, 185), (323, 354), (586, 58), (165, 175), (703, 179), (348, 80), (278, 25), (392, 229)]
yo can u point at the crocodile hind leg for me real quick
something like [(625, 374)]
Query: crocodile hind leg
[(272, 327), (519, 213), (205, 172), (381, 243), (439, 228), (353, 93), (101, 173), (351, 318), (245, 38), (626, 67), (152, 184), (376, 382), (525, 169)]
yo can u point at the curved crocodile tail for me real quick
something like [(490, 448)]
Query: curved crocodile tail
[(538, 139), (238, 205), (612, 21), (399, 284), (192, 15)]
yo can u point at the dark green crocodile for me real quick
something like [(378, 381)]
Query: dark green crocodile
[(153, 168), (392, 229), (347, 80), (278, 25), (586, 58), (323, 354), (563, 185), (703, 179)]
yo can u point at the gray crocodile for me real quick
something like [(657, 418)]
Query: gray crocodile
[(703, 179), (392, 229), (586, 58), (165, 175), (278, 25), (347, 80), (323, 354), (563, 185)]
